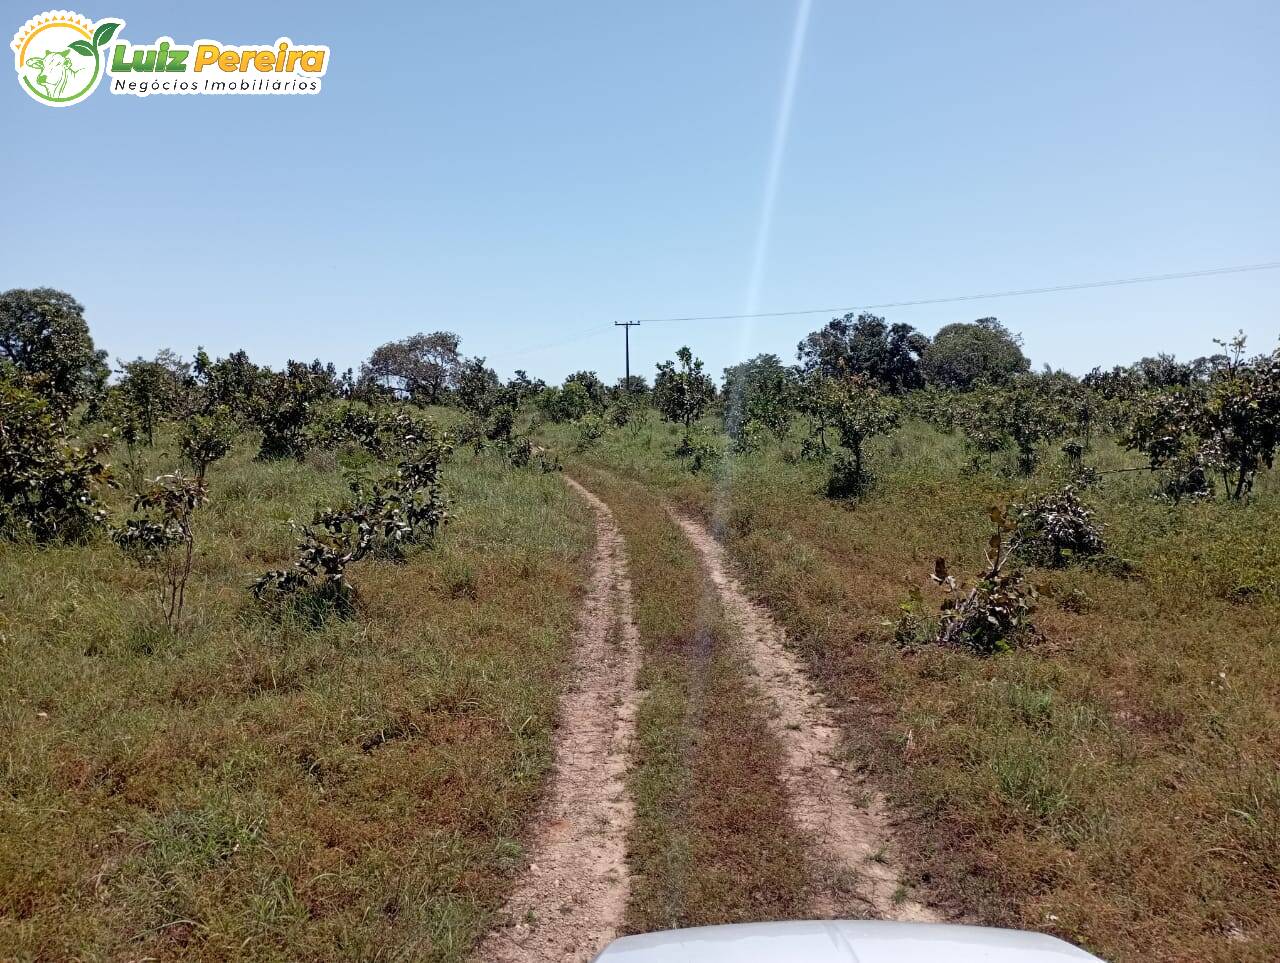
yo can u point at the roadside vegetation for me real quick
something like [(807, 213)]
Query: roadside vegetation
[(281, 648), (1047, 606), (341, 767)]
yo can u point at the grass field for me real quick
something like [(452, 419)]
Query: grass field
[(1117, 783), (256, 786), (252, 789)]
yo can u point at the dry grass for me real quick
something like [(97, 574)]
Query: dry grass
[(1119, 784), (258, 790), (711, 842)]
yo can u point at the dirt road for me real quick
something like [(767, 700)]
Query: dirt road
[(846, 819)]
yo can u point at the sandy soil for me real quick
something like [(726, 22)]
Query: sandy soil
[(573, 897), (843, 815)]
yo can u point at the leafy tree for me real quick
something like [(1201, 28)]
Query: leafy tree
[(1024, 413), (855, 409), (866, 345), (285, 406), (564, 404), (206, 439), (422, 365), (477, 387), (762, 392), (523, 387), (1229, 425), (636, 386), (683, 394), (961, 356), (233, 382), (150, 392), (44, 336), (48, 486), (597, 393)]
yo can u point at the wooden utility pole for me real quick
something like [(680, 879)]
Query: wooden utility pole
[(626, 327)]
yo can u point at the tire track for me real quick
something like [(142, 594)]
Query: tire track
[(574, 895), (846, 819)]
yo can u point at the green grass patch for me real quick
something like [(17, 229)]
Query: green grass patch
[(263, 789), (1114, 783)]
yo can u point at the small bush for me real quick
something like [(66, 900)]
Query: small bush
[(995, 614), (206, 439), (849, 478), (406, 509), (163, 540), (523, 453), (588, 432), (696, 450), (1056, 528)]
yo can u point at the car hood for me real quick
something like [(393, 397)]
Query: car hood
[(837, 941)]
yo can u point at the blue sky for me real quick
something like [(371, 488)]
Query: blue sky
[(526, 173)]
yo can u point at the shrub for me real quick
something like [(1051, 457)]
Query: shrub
[(620, 413), (1229, 424), (381, 430), (696, 450), (1024, 413), (849, 478), (477, 387), (407, 508), (747, 436), (1184, 478), (501, 424), (588, 432), (164, 540), (761, 390), (523, 453), (48, 486), (564, 404), (285, 408), (995, 614), (151, 392), (1056, 528), (206, 439)]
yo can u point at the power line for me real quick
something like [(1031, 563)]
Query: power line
[(1116, 282), (586, 333)]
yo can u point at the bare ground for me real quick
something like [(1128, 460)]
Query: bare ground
[(574, 895), (846, 818)]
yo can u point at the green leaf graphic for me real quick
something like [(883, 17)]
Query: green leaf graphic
[(82, 47), (104, 33)]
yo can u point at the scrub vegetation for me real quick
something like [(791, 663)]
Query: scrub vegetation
[(281, 650), (1048, 609), (207, 776)]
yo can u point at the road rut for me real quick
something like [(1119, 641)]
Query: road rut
[(846, 819), (573, 898)]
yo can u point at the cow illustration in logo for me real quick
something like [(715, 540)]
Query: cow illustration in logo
[(60, 56), (56, 72)]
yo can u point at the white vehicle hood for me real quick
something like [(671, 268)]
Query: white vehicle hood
[(836, 941)]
